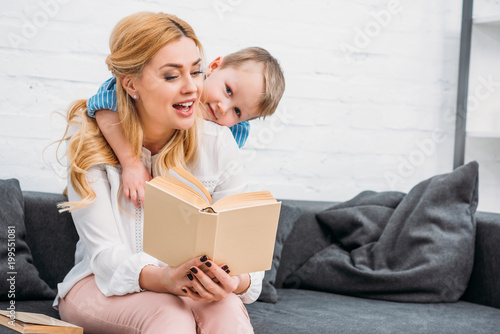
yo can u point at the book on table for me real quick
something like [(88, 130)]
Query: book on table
[(26, 322), (182, 222)]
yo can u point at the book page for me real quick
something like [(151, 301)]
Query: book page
[(243, 200), (179, 189), (186, 177)]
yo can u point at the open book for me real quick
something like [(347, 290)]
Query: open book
[(25, 322), (181, 222)]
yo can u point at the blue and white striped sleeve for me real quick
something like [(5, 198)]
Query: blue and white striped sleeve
[(240, 132), (105, 98)]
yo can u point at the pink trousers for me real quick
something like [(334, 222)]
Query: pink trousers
[(150, 312)]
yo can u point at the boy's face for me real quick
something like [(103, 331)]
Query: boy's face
[(231, 95)]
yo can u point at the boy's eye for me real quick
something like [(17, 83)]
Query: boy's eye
[(237, 111), (229, 91)]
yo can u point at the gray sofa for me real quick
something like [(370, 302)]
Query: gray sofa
[(51, 238)]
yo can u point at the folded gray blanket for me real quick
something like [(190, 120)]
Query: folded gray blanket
[(415, 247)]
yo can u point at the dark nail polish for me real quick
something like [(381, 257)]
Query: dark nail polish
[(208, 264), (194, 270), (203, 258), (190, 276), (225, 267), (228, 271), (184, 290)]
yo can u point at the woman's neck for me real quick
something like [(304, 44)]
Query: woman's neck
[(155, 139), (156, 135)]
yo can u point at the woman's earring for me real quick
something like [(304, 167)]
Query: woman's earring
[(135, 97)]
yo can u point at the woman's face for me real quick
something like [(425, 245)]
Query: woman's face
[(169, 88)]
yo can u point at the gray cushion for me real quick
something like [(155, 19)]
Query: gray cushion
[(288, 217), (50, 235), (306, 239), (26, 283), (414, 248)]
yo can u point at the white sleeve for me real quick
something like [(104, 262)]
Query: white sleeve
[(255, 288), (112, 260)]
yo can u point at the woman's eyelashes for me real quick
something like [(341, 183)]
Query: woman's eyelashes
[(171, 77), (197, 73)]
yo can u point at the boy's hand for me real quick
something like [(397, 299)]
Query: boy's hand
[(134, 173), (134, 177)]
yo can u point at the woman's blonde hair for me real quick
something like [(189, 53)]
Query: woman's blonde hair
[(133, 42)]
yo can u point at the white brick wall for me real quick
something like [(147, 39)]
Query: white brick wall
[(349, 120)]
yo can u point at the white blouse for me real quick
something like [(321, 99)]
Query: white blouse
[(110, 228)]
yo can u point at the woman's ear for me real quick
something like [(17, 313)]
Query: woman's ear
[(214, 65), (129, 85)]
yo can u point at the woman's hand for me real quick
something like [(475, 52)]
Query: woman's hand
[(168, 279), (215, 283), (190, 281), (134, 177)]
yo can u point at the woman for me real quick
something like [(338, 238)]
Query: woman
[(114, 286)]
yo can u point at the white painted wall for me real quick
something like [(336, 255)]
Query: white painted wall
[(369, 103)]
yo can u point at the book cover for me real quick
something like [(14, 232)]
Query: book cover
[(26, 322), (181, 223)]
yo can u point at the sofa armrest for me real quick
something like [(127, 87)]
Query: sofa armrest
[(50, 235), (484, 284)]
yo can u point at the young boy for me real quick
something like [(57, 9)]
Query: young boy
[(232, 96)]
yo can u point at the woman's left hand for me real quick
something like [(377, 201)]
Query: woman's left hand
[(215, 283)]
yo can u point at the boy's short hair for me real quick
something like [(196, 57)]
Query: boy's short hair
[(274, 80)]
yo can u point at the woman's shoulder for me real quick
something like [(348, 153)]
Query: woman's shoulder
[(104, 170), (218, 155), (216, 148), (213, 129), (215, 134)]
